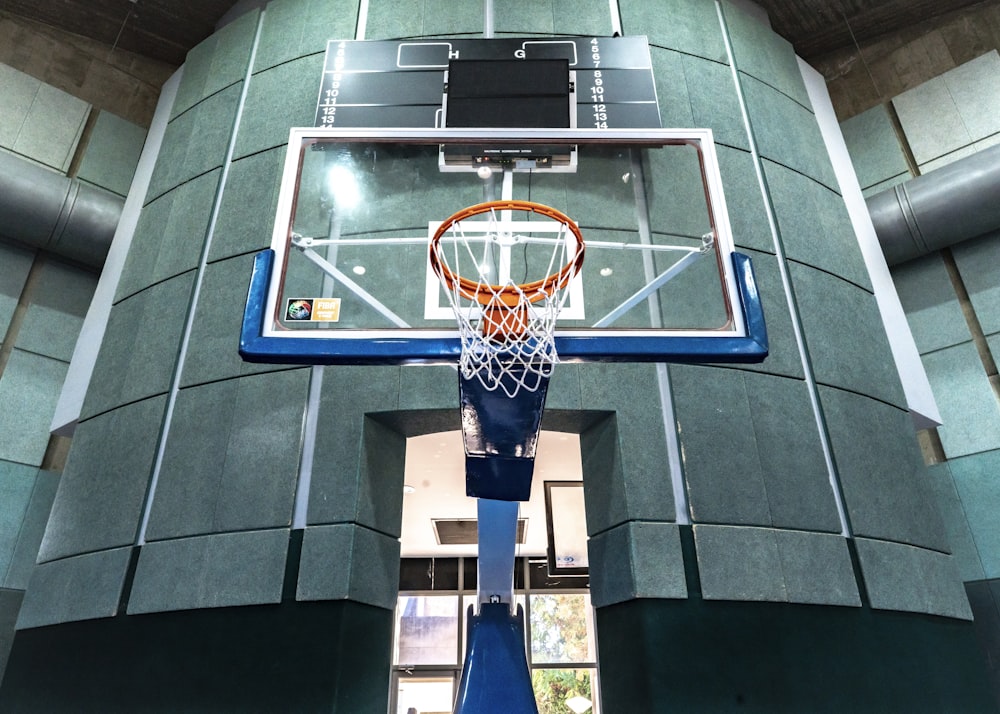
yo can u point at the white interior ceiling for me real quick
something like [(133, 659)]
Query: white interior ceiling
[(435, 468)]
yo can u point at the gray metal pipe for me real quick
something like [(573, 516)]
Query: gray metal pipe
[(949, 205), (47, 210)]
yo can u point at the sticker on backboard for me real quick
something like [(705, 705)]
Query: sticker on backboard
[(312, 310)]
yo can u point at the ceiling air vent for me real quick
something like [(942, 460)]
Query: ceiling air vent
[(462, 531)]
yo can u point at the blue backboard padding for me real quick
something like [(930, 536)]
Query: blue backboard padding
[(498, 478), (500, 435), (599, 347), (495, 677)]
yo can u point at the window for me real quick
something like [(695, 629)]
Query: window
[(563, 655), (429, 645)]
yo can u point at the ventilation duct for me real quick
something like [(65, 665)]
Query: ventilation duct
[(946, 206), (58, 214)]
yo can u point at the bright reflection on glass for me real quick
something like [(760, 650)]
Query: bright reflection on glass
[(425, 694), (343, 187), (427, 629)]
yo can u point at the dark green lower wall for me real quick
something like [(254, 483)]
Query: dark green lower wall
[(984, 597), (293, 657), (10, 604), (702, 656)]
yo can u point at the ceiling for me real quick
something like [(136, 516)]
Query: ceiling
[(435, 480), (165, 30)]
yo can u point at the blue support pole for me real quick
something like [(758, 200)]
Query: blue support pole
[(495, 676)]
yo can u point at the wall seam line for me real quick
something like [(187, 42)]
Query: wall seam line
[(175, 382), (810, 379)]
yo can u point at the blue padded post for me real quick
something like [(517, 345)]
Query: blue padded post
[(495, 677), (500, 435)]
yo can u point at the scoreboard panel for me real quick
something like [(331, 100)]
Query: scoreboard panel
[(401, 83)]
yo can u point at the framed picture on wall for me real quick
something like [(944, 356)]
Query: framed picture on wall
[(566, 524)]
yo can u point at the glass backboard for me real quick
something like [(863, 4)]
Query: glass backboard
[(347, 278)]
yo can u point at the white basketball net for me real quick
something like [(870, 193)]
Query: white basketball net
[(506, 328)]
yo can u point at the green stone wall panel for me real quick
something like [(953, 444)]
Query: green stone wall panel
[(348, 394), (636, 560), (559, 17), (689, 27), (632, 391), (349, 562), (881, 471), (380, 482), (140, 346), (814, 226), (970, 412), (606, 496), (189, 490), (961, 540), (213, 352), (874, 148), (277, 100), (771, 470), (219, 570), (763, 564), (16, 262), (946, 114), (195, 142), (724, 477), (786, 132), (29, 391), (424, 18), (903, 577), (31, 531), (19, 90), (426, 387), (979, 265), (17, 481), (216, 63), (747, 214), (296, 28), (762, 53), (51, 127), (671, 87), (112, 153), (565, 391), (817, 568), (844, 335), (99, 502), (979, 491), (930, 303), (170, 235), (790, 454), (231, 457), (714, 103), (80, 588), (59, 303), (248, 207)]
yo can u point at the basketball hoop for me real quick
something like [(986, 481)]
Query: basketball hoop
[(506, 327)]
